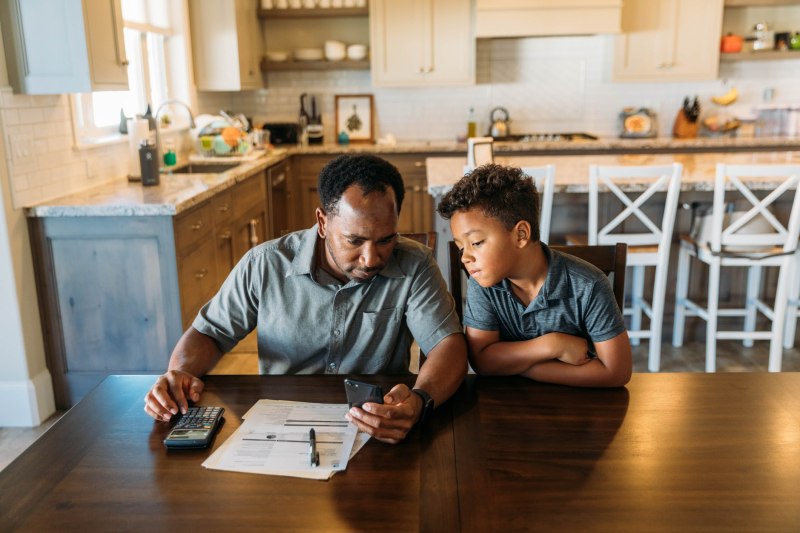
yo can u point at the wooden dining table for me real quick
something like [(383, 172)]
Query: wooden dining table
[(669, 452)]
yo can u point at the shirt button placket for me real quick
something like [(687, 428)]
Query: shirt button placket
[(335, 344)]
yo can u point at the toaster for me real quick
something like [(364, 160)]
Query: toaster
[(281, 133)]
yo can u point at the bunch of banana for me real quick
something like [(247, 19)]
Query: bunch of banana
[(726, 99)]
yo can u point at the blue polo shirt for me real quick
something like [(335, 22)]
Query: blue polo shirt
[(576, 298)]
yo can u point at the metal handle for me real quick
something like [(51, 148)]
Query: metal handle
[(119, 38), (226, 236), (200, 274), (254, 240), (224, 208), (419, 164), (280, 179), (197, 225)]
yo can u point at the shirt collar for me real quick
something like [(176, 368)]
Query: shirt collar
[(555, 286), (304, 261)]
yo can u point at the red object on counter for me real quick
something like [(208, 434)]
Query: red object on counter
[(731, 44)]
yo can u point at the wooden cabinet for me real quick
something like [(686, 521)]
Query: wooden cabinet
[(116, 292), (226, 44), (422, 43), (522, 18), (416, 215), (279, 199), (668, 40), (64, 46)]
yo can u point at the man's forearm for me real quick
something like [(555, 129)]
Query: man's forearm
[(195, 353), (444, 368)]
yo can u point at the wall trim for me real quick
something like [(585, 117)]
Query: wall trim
[(27, 403)]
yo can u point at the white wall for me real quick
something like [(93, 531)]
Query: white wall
[(26, 391)]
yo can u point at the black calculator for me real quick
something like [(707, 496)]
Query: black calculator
[(196, 428)]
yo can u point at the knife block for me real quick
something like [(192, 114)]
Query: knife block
[(683, 127)]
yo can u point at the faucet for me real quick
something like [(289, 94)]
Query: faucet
[(155, 117)]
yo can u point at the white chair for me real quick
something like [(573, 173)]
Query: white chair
[(480, 151), (649, 246), (793, 304), (731, 243)]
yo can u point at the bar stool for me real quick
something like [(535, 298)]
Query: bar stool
[(733, 241), (649, 247)]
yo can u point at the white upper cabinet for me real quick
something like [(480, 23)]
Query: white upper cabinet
[(422, 42), (226, 44), (668, 40), (524, 18), (64, 46)]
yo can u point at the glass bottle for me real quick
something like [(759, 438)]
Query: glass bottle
[(472, 125)]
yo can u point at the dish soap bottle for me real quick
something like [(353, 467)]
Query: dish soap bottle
[(472, 126)]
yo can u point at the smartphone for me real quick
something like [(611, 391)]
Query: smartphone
[(359, 392)]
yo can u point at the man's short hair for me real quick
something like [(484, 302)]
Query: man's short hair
[(370, 173), (503, 193)]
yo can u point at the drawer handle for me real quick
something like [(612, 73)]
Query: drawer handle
[(419, 164), (254, 239), (203, 272), (224, 208), (197, 225), (279, 179), (226, 236)]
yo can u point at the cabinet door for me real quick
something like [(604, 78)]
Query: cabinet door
[(422, 42), (668, 39), (64, 46), (279, 200), (222, 47), (106, 43)]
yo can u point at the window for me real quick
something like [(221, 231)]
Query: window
[(149, 37)]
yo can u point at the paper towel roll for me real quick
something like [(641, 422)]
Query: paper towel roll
[(138, 130)]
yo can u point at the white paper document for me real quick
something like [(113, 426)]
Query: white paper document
[(274, 439)]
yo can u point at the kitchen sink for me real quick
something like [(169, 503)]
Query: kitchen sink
[(203, 168)]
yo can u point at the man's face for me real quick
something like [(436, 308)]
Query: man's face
[(360, 237)]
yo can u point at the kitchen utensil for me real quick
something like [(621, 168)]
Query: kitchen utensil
[(765, 37), (314, 128), (638, 123), (357, 52), (500, 126), (731, 44), (335, 50), (686, 125)]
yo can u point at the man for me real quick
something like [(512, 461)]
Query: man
[(345, 296)]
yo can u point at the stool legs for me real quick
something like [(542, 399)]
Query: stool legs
[(751, 312), (713, 311), (781, 302), (681, 292), (791, 308), (637, 284)]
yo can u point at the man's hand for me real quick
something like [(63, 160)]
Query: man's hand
[(569, 349), (171, 393), (391, 421)]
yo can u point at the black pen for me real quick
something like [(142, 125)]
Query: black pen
[(313, 454)]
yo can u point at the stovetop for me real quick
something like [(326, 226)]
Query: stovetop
[(547, 137)]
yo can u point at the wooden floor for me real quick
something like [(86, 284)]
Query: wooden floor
[(731, 357)]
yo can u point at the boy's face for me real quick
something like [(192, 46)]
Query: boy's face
[(486, 246)]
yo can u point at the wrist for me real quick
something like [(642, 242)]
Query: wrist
[(426, 406)]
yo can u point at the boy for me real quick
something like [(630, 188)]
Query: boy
[(530, 310)]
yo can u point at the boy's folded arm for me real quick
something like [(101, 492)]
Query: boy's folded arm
[(612, 368), (490, 355)]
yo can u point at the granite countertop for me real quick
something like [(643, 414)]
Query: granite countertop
[(179, 192), (175, 193), (572, 171)]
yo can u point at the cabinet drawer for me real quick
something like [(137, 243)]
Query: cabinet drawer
[(223, 207), (410, 166), (193, 226), (249, 194), (197, 278)]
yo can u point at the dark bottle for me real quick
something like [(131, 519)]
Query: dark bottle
[(148, 158)]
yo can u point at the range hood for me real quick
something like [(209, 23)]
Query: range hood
[(529, 18)]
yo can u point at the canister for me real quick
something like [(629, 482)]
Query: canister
[(148, 159)]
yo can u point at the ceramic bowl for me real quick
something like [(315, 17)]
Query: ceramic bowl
[(308, 54), (356, 52), (277, 56), (335, 50)]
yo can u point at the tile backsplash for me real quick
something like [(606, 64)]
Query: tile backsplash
[(554, 84)]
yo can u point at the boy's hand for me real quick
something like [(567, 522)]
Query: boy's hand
[(570, 349)]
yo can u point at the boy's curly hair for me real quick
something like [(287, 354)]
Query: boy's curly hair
[(369, 172), (503, 193)]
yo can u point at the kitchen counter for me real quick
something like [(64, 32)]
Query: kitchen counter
[(179, 192), (176, 193), (572, 171)]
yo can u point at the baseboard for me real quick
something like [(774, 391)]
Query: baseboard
[(27, 403)]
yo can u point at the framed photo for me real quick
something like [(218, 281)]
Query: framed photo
[(355, 116)]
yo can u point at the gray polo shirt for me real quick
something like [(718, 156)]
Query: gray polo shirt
[(311, 325), (576, 298)]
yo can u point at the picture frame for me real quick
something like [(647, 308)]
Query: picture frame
[(355, 115)]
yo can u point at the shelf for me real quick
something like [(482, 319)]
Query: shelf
[(345, 64), (759, 56), (759, 3), (313, 13)]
